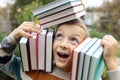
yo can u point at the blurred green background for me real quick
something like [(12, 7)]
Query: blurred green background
[(100, 21)]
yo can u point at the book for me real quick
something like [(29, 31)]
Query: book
[(49, 52), (87, 62), (97, 64), (36, 52), (87, 58), (33, 52), (76, 54), (24, 53), (81, 58), (42, 49), (58, 9), (62, 14), (64, 19), (49, 6)]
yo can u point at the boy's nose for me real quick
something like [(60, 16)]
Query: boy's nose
[(64, 44)]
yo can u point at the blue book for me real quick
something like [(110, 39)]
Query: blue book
[(97, 64), (87, 58), (82, 58)]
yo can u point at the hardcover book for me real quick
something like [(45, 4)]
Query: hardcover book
[(24, 53), (85, 66), (49, 52)]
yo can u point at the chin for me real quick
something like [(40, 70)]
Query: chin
[(63, 67)]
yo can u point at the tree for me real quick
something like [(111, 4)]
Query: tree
[(21, 10), (110, 21)]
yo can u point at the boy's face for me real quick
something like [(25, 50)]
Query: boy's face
[(67, 38)]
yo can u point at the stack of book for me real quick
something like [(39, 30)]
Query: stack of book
[(87, 63), (36, 52), (59, 11)]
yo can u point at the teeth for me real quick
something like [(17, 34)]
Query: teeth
[(62, 55)]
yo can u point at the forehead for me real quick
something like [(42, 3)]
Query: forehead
[(71, 29)]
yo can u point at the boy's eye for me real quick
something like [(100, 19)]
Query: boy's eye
[(74, 41), (58, 36)]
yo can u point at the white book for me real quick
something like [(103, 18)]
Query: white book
[(97, 65), (75, 58), (64, 19), (62, 14), (59, 9), (81, 60), (87, 58), (49, 6), (41, 49), (33, 52), (23, 45), (49, 54)]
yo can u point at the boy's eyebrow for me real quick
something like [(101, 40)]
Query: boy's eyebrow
[(76, 35), (58, 31)]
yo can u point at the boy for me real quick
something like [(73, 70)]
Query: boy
[(68, 36)]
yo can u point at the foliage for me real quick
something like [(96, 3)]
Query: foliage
[(110, 21), (21, 11), (4, 11), (2, 35), (118, 49), (118, 52), (96, 33), (105, 75)]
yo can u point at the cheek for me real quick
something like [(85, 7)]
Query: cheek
[(72, 47), (54, 45)]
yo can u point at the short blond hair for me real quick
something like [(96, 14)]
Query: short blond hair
[(77, 21)]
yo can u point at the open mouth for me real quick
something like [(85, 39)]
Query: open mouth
[(62, 55)]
